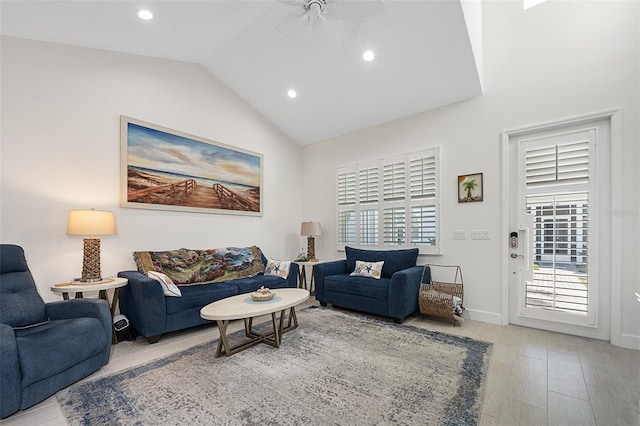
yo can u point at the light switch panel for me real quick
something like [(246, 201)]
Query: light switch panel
[(480, 234), (459, 235)]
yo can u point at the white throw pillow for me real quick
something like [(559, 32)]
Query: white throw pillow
[(368, 269), (168, 287), (278, 268)]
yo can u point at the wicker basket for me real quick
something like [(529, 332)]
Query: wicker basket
[(436, 297)]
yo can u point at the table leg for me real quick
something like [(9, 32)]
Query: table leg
[(273, 339), (302, 277), (248, 325), (65, 296), (113, 305), (276, 330), (223, 343)]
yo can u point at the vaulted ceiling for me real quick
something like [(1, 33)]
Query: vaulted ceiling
[(427, 54)]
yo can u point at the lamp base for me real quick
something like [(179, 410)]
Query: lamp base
[(91, 261), (311, 249)]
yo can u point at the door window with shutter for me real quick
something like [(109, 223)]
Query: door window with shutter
[(390, 203), (556, 197)]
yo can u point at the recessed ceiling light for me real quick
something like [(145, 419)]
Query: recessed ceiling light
[(292, 93), (368, 55), (145, 14)]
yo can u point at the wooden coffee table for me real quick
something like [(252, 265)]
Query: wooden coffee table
[(245, 308)]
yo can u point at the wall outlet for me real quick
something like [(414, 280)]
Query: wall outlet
[(480, 234), (459, 235)]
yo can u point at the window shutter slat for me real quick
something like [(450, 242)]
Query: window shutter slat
[(559, 164)]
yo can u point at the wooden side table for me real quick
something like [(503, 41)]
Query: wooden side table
[(302, 273), (101, 287)]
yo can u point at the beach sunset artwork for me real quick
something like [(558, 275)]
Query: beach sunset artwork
[(170, 170)]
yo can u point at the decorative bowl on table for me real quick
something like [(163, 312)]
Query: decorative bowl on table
[(262, 295)]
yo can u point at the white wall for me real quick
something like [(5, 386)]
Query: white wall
[(557, 60), (60, 150)]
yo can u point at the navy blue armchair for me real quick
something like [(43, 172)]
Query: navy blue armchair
[(394, 295), (44, 347)]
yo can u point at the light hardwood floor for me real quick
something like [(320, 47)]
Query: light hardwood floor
[(535, 377)]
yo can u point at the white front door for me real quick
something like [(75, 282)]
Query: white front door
[(557, 251)]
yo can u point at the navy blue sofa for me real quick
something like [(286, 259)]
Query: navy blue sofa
[(152, 313), (44, 347), (394, 295)]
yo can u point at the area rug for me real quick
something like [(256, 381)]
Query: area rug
[(337, 368)]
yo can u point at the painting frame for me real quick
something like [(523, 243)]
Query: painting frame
[(166, 169), (470, 188)]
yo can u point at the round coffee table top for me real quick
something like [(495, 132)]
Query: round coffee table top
[(242, 306)]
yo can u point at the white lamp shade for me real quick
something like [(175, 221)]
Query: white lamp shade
[(91, 222), (310, 228)]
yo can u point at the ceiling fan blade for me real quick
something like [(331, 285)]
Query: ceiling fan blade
[(292, 2), (354, 10), (328, 32), (289, 25)]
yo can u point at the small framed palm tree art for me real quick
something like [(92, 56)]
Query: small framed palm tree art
[(470, 188)]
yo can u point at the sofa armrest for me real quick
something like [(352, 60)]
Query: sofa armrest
[(79, 308), (403, 292), (322, 270), (292, 278), (10, 375), (142, 301)]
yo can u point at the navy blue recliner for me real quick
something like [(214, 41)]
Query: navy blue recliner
[(44, 347)]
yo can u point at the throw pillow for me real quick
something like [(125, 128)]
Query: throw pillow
[(368, 269), (279, 268), (168, 287)]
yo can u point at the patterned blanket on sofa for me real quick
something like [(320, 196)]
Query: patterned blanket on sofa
[(190, 267)]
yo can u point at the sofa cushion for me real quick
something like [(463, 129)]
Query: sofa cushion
[(58, 345), (189, 267), (358, 286), (394, 260), (200, 295)]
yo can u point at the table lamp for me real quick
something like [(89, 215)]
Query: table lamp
[(89, 223), (310, 229)]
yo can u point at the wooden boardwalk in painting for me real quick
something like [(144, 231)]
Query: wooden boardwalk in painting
[(188, 193)]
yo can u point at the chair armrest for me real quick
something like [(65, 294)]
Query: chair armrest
[(403, 292), (80, 308), (10, 374), (322, 270), (292, 278), (143, 302)]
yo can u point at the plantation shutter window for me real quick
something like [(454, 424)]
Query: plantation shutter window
[(556, 194), (423, 197), (347, 206), (390, 203)]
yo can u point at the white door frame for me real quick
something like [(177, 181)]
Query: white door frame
[(613, 115)]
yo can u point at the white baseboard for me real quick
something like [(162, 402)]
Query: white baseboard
[(629, 341), (484, 316)]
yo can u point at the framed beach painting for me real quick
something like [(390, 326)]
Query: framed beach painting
[(171, 170), (470, 188)]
